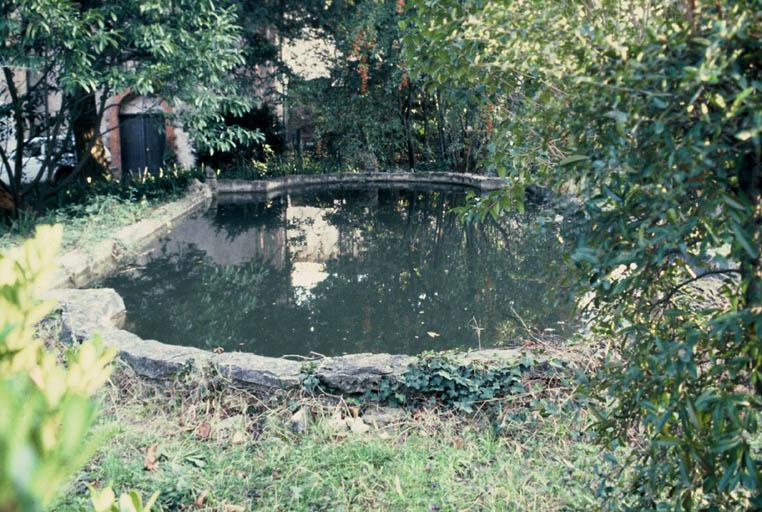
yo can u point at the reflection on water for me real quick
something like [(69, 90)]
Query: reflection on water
[(339, 271)]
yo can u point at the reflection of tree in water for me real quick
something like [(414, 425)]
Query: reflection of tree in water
[(424, 272), (404, 268), (196, 302), (235, 219)]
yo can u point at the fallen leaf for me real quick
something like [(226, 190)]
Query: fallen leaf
[(432, 334), (337, 421), (200, 499), (151, 462), (300, 420), (354, 411), (203, 431)]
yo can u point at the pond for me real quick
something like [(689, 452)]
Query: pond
[(347, 270)]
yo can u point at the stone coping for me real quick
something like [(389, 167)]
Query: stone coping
[(482, 183), (80, 267), (86, 313)]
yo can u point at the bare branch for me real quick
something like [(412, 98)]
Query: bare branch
[(685, 283)]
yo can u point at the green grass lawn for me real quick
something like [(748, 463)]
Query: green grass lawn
[(204, 445)]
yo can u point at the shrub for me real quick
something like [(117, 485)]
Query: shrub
[(649, 113), (46, 409)]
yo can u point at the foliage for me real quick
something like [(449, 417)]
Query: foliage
[(75, 49), (47, 409), (166, 183), (371, 114), (263, 120), (90, 212), (650, 114), (266, 27), (273, 166), (105, 501), (441, 379)]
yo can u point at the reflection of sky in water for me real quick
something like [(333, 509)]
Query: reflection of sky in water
[(344, 271), (308, 238), (306, 275)]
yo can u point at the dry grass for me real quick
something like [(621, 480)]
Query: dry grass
[(207, 444)]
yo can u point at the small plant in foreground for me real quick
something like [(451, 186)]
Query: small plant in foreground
[(105, 501), (46, 409)]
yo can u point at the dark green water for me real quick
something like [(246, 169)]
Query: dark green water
[(342, 271)]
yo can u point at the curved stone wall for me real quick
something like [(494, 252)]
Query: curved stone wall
[(482, 183), (100, 311)]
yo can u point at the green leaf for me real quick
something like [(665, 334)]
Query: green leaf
[(741, 238), (572, 159)]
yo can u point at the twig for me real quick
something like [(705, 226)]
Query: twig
[(677, 288)]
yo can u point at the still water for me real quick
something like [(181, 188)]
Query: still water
[(347, 270)]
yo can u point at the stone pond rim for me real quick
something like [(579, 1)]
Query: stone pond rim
[(88, 312)]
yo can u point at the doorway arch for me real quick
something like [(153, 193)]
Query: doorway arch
[(142, 134)]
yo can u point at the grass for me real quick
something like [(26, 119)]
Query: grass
[(90, 213), (84, 224), (206, 445)]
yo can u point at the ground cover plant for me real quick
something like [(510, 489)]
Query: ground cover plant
[(206, 444), (90, 212)]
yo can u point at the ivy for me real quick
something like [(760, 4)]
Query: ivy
[(443, 379)]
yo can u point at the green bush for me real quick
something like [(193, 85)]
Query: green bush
[(46, 407), (649, 114)]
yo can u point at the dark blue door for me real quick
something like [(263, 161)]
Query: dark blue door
[(142, 142)]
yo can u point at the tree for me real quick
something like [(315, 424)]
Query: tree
[(369, 112), (180, 51), (649, 113)]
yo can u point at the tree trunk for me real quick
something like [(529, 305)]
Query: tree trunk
[(14, 168), (441, 129), (750, 184), (409, 131), (84, 123)]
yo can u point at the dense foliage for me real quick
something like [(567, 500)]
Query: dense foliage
[(463, 385), (370, 114), (650, 114), (82, 53)]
